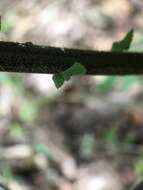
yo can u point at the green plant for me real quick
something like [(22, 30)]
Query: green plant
[(75, 69), (79, 69), (123, 44), (110, 135)]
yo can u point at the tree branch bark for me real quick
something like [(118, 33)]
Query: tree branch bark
[(30, 58)]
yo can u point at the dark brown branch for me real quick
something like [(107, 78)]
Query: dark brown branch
[(29, 58)]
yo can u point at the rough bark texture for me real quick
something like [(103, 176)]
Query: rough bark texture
[(30, 58)]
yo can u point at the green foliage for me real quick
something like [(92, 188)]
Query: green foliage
[(128, 81), (8, 22), (28, 111), (7, 175), (110, 135), (121, 83), (16, 130), (58, 80), (7, 26), (79, 69), (124, 44), (44, 149), (14, 81), (139, 167), (75, 69), (107, 84)]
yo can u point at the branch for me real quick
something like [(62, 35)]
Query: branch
[(30, 58)]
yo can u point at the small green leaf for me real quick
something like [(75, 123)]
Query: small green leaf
[(58, 80), (75, 69), (123, 44)]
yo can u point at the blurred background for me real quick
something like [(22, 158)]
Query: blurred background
[(87, 135)]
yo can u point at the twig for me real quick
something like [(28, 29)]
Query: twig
[(29, 58)]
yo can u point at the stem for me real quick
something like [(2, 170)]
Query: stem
[(29, 58)]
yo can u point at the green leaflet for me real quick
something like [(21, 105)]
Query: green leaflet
[(124, 44), (75, 69), (58, 80)]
